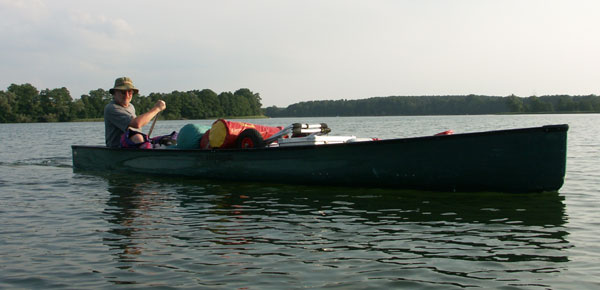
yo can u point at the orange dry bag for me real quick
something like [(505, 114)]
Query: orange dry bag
[(224, 134)]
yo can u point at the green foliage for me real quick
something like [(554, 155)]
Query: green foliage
[(94, 103), (27, 103), (23, 103), (438, 105), (56, 105), (7, 107)]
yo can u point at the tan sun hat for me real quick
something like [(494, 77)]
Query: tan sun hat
[(123, 83)]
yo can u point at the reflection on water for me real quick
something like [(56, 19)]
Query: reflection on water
[(233, 233), (127, 206)]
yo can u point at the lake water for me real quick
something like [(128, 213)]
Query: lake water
[(61, 229)]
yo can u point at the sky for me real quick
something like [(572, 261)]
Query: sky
[(305, 50)]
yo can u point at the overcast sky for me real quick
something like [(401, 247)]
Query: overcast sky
[(293, 51)]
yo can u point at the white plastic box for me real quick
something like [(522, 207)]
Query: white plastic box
[(315, 140)]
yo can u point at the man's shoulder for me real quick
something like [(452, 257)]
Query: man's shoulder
[(112, 106)]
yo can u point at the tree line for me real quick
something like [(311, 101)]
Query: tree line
[(24, 103), (439, 105)]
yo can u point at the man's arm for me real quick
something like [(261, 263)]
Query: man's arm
[(143, 119)]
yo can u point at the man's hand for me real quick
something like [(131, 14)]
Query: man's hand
[(160, 105)]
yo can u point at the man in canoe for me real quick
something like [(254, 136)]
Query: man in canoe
[(120, 117)]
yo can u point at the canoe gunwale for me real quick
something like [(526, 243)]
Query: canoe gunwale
[(546, 128)]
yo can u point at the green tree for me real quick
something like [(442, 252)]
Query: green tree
[(8, 104), (77, 110), (250, 101), (28, 106), (226, 102), (95, 102), (191, 105), (589, 103), (536, 105), (212, 104), (515, 104), (566, 104), (56, 105)]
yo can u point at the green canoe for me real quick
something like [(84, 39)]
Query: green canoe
[(515, 160)]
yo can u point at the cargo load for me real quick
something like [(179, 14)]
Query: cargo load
[(230, 134)]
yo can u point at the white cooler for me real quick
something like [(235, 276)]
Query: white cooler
[(318, 140)]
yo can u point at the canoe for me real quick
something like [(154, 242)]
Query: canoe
[(513, 160)]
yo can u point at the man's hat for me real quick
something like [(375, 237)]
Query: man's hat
[(123, 84)]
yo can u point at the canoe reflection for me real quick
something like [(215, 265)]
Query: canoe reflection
[(394, 227), (376, 205)]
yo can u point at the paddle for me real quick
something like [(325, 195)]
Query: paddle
[(153, 123)]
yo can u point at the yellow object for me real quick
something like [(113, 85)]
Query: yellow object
[(217, 134)]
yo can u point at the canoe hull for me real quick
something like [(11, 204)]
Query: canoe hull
[(517, 160)]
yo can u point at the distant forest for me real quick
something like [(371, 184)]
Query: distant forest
[(24, 103), (440, 105)]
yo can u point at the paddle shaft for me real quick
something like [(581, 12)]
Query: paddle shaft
[(153, 123)]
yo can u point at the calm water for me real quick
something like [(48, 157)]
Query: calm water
[(61, 229)]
